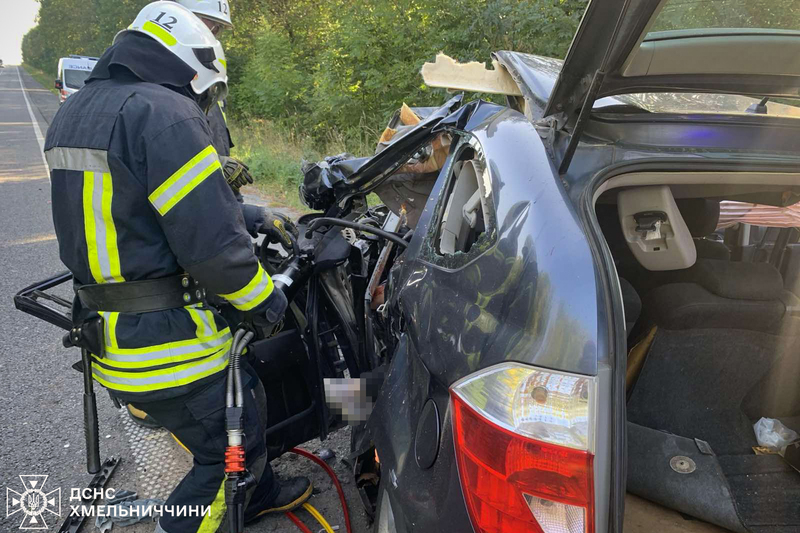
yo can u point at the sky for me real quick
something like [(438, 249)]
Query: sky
[(18, 17)]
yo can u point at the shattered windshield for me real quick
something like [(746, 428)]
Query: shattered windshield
[(729, 104), (699, 14)]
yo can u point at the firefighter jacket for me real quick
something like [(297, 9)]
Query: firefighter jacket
[(254, 216), (220, 135), (138, 193)]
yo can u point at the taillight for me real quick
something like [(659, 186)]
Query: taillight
[(524, 441)]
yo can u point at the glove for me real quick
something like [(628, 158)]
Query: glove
[(277, 227), (236, 173), (267, 320)]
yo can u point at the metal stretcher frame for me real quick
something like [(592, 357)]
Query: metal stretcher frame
[(30, 300)]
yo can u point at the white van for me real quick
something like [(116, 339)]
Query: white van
[(72, 74)]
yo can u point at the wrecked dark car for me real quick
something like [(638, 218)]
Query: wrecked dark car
[(567, 339)]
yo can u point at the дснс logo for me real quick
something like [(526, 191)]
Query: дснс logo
[(33, 502)]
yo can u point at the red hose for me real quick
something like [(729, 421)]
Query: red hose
[(297, 522), (335, 480)]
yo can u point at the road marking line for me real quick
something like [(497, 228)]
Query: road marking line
[(19, 179), (31, 240), (36, 129)]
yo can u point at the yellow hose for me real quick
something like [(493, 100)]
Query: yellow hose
[(324, 523), (180, 444)]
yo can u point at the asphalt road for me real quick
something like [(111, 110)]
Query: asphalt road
[(41, 425)]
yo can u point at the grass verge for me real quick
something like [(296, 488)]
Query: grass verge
[(274, 155), (45, 80)]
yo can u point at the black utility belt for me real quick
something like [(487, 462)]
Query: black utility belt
[(143, 296)]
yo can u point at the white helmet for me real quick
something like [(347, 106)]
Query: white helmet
[(185, 35), (216, 10)]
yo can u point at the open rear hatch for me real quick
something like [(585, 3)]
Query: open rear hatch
[(640, 46)]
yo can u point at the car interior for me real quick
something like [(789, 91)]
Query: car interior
[(713, 324)]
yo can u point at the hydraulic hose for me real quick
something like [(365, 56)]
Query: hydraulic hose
[(235, 460), (318, 516), (237, 477), (322, 221), (335, 480), (300, 525), (237, 371), (230, 397)]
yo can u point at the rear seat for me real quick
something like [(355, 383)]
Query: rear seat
[(702, 216), (721, 294)]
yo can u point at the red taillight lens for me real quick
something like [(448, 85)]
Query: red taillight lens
[(513, 483)]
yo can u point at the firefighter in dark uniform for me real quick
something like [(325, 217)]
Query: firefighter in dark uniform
[(216, 15), (139, 199), (275, 226)]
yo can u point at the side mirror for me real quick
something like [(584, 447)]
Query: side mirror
[(59, 85)]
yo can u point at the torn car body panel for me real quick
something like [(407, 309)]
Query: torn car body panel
[(447, 73), (340, 178), (513, 296)]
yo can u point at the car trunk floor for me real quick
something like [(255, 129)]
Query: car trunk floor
[(643, 516), (690, 445)]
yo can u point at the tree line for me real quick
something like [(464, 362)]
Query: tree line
[(344, 65), (327, 64)]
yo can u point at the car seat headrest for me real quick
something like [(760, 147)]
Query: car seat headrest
[(654, 228), (700, 214)]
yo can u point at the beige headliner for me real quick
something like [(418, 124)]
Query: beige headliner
[(758, 55)]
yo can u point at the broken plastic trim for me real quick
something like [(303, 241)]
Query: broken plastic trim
[(447, 73)]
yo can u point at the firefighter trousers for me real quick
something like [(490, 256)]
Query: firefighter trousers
[(197, 420)]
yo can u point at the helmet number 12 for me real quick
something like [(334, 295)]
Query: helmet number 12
[(223, 7), (169, 24)]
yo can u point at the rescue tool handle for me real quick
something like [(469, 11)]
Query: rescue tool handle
[(92, 433), (90, 429)]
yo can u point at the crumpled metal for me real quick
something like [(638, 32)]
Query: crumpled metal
[(341, 176), (125, 499)]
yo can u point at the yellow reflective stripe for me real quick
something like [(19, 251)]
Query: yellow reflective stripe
[(213, 519), (203, 329), (186, 189), (211, 320), (110, 319), (254, 293), (222, 110), (224, 63), (89, 227), (247, 288), (159, 32), (167, 345), (111, 230), (184, 180), (150, 387), (259, 298), (113, 361), (99, 228)]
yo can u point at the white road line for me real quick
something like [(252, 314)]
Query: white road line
[(36, 129)]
